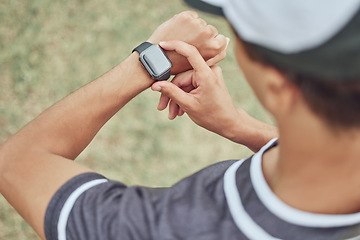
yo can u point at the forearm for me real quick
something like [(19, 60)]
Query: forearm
[(67, 127), (35, 161)]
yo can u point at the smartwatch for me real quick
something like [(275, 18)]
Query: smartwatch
[(155, 61)]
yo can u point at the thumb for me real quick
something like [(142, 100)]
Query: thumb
[(173, 92)]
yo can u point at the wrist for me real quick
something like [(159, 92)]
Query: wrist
[(233, 131), (250, 132), (134, 74), (126, 80)]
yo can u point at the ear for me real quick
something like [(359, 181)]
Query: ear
[(280, 95)]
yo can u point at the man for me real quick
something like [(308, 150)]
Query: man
[(302, 61), (300, 187)]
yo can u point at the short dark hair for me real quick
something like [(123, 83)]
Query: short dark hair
[(336, 101)]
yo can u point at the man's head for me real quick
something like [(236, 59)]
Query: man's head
[(336, 101), (313, 47)]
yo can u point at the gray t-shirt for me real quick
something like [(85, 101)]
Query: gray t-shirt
[(228, 200)]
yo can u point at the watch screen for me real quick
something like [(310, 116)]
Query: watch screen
[(157, 60)]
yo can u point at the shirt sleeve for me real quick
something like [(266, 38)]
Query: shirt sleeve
[(91, 207)]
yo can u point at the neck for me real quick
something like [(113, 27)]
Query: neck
[(315, 169)]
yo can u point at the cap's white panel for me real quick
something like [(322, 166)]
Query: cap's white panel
[(289, 26)]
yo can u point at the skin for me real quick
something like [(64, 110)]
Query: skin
[(314, 168), (37, 160)]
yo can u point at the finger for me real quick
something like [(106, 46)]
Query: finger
[(190, 52), (217, 44), (181, 112), (224, 41), (176, 94), (163, 102), (190, 13), (183, 80), (218, 58), (221, 56), (211, 30), (217, 70), (173, 110), (201, 22)]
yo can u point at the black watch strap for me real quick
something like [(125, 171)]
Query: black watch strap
[(166, 76), (142, 47)]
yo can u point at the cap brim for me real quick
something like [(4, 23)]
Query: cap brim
[(205, 7)]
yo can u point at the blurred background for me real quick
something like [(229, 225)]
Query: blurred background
[(51, 48)]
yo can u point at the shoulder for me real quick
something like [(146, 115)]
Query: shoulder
[(89, 205)]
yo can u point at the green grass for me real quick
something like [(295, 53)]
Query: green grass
[(51, 48)]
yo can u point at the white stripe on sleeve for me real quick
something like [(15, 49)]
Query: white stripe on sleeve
[(65, 211)]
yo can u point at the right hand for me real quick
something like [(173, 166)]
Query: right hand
[(200, 92), (189, 28)]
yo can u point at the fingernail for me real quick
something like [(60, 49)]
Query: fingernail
[(162, 43), (158, 89)]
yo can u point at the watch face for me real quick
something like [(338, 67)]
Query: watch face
[(155, 61)]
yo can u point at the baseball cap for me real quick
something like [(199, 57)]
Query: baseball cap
[(320, 38)]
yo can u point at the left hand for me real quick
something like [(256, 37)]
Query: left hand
[(189, 28)]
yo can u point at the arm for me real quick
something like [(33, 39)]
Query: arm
[(35, 162), (249, 131), (203, 95)]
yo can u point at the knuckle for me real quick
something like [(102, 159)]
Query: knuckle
[(214, 48), (216, 45), (192, 13), (221, 38), (208, 74), (191, 48), (213, 29), (201, 22), (210, 31), (216, 69), (187, 15), (206, 32)]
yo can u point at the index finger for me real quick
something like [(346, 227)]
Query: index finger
[(190, 52)]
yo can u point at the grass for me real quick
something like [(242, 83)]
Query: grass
[(51, 48)]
